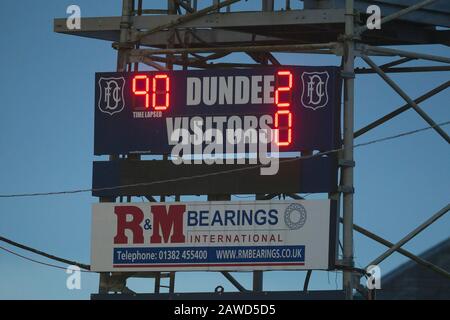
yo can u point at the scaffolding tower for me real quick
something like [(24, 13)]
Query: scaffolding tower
[(186, 36)]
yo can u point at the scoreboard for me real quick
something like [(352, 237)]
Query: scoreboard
[(139, 112)]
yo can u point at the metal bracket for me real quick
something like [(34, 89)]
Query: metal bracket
[(346, 163), (347, 75), (344, 263), (338, 49), (344, 38), (346, 189), (123, 45)]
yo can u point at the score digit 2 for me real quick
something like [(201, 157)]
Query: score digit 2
[(160, 93), (283, 97)]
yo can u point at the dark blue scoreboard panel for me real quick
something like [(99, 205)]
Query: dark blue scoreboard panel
[(140, 112)]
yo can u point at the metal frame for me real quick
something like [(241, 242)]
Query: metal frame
[(181, 34)]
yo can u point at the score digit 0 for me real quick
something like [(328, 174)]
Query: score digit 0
[(164, 78), (283, 97), (158, 104)]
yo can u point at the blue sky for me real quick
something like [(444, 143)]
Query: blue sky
[(46, 143)]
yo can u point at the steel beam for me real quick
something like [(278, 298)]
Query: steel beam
[(306, 23), (270, 48), (267, 5), (257, 281), (235, 20), (403, 53), (125, 26), (404, 69), (202, 62), (307, 278)]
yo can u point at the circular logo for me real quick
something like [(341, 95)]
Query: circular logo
[(295, 216)]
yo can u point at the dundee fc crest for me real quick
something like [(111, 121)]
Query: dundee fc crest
[(315, 93), (111, 98)]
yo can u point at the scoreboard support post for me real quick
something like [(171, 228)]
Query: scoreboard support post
[(347, 169)]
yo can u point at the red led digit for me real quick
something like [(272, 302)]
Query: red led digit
[(283, 93), (278, 115), (283, 97), (165, 93), (142, 92)]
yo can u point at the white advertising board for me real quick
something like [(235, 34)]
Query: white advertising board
[(202, 236)]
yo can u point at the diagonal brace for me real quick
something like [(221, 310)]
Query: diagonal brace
[(402, 251), (411, 235), (395, 63), (405, 97), (403, 53), (402, 109), (234, 282)]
